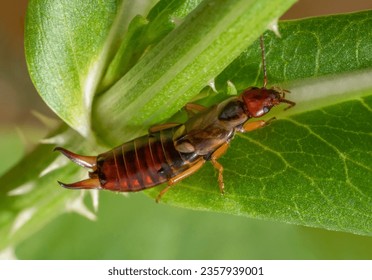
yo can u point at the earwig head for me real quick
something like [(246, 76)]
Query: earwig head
[(259, 101)]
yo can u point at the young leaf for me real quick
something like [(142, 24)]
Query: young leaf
[(145, 32), (65, 61)]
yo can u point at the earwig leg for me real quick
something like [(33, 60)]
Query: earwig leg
[(218, 153), (180, 177), (163, 126), (84, 161), (160, 195), (192, 109), (249, 126), (219, 167), (85, 184)]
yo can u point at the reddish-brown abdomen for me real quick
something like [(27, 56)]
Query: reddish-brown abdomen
[(142, 163)]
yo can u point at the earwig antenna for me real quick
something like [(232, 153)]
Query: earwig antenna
[(263, 61)]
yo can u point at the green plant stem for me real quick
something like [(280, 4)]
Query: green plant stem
[(184, 62)]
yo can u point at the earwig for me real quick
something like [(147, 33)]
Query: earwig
[(171, 152)]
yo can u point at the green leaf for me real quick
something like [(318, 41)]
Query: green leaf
[(144, 33), (65, 61), (312, 47)]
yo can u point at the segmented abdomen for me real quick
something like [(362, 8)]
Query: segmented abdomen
[(142, 163)]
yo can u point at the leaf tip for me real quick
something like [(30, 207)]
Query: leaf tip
[(231, 89), (212, 85), (274, 27)]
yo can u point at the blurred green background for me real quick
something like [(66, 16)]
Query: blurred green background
[(135, 227)]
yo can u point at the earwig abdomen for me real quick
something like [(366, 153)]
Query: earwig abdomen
[(142, 163)]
